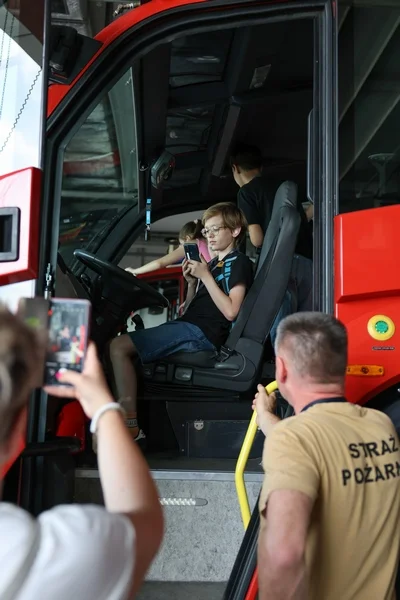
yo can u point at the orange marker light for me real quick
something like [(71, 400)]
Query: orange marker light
[(366, 370)]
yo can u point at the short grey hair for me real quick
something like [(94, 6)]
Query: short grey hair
[(317, 343)]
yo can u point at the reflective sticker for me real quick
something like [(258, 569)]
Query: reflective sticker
[(381, 327)]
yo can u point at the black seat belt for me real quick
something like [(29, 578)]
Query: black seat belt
[(258, 254)]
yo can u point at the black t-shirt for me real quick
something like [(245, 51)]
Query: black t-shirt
[(256, 199), (236, 268), (304, 245)]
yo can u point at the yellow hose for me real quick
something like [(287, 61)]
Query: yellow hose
[(242, 461)]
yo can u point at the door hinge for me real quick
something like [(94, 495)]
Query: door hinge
[(126, 6)]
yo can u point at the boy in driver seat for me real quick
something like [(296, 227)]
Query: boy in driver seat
[(215, 294)]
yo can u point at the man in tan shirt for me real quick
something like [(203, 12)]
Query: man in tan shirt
[(330, 502)]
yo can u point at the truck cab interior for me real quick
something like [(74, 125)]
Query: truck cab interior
[(153, 141), (153, 118), (164, 131)]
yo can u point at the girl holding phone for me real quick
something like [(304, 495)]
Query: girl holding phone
[(190, 232)]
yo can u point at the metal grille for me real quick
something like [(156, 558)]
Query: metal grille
[(183, 502)]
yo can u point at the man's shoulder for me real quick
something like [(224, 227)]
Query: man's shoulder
[(287, 428), (381, 420), (289, 460), (292, 432), (312, 424)]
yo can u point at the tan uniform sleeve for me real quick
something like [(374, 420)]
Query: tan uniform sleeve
[(288, 464)]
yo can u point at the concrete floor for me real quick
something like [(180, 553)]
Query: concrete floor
[(162, 590), (201, 542)]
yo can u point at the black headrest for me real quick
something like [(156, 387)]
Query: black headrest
[(285, 200)]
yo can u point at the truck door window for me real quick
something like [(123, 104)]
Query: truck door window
[(100, 172), (369, 105), (21, 79)]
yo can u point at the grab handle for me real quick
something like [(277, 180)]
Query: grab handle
[(242, 461)]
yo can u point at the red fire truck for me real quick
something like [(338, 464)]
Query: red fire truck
[(113, 118)]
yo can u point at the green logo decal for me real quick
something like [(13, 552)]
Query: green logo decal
[(381, 327)]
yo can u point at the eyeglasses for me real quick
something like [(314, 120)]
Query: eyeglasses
[(214, 229)]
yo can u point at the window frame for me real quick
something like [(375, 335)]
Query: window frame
[(98, 238), (102, 75), (357, 76)]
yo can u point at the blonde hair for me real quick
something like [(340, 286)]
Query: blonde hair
[(19, 352), (232, 218)]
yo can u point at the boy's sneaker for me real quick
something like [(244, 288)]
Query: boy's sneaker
[(140, 436), (140, 439)]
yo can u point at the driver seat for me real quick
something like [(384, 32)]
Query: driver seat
[(200, 403), (237, 365)]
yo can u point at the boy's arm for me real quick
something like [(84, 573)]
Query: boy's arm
[(239, 281), (191, 292), (228, 305), (256, 235), (247, 203)]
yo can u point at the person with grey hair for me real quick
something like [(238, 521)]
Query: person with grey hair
[(330, 501)]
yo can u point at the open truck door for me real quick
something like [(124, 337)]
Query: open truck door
[(23, 101), (23, 93), (35, 53)]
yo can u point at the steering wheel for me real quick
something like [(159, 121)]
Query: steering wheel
[(127, 280)]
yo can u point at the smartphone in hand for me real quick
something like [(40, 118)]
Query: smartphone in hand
[(62, 325), (68, 337), (192, 251)]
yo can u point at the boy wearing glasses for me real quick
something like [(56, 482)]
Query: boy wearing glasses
[(215, 294)]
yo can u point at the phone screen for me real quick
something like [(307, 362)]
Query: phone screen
[(67, 337), (192, 251)]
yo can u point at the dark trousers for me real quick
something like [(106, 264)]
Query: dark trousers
[(298, 296)]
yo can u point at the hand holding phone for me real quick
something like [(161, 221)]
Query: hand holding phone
[(89, 387), (64, 325), (68, 337), (192, 251)]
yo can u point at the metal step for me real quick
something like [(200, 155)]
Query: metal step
[(162, 590), (203, 523)]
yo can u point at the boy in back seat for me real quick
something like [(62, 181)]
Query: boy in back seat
[(215, 294)]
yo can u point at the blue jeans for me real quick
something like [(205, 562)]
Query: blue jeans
[(168, 338)]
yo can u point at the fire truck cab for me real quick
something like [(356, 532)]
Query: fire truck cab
[(142, 109)]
